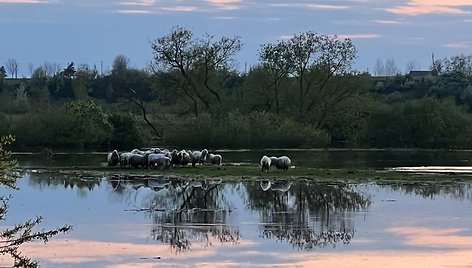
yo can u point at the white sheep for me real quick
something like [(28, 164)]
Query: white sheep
[(265, 163), (185, 158), (283, 163), (215, 159), (160, 161), (199, 157), (113, 158)]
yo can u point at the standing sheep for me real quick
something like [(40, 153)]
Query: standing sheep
[(265, 163), (124, 159), (283, 163), (199, 157), (160, 161), (215, 159), (185, 158), (113, 158)]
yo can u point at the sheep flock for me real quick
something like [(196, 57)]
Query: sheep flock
[(163, 158)]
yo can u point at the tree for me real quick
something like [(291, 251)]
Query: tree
[(12, 67), (12, 238), (86, 124), (3, 74), (461, 63), (314, 60), (391, 68), (120, 64), (379, 68), (276, 65), (203, 64)]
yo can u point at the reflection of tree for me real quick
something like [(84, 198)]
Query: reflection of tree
[(82, 182), (306, 214), (184, 211), (453, 189)]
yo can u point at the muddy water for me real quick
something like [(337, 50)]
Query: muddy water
[(170, 221)]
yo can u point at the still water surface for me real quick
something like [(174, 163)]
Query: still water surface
[(170, 221)]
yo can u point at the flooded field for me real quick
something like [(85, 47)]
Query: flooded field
[(164, 221)]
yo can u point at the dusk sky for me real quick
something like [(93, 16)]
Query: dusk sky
[(96, 31)]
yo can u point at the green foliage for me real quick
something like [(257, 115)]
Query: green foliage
[(347, 122), (7, 177), (125, 132), (426, 123), (236, 130), (86, 124)]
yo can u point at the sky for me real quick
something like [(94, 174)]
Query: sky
[(94, 32)]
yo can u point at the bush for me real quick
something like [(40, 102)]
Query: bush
[(236, 130)]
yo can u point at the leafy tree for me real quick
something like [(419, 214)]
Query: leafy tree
[(460, 63), (275, 65), (86, 124), (13, 238), (3, 74), (314, 60), (203, 64)]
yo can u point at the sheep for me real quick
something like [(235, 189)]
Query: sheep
[(199, 157), (113, 158), (137, 151), (124, 158), (160, 161), (265, 163), (283, 163), (215, 159), (185, 158), (136, 160), (176, 158)]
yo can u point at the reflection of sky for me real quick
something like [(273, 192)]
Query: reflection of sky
[(397, 229)]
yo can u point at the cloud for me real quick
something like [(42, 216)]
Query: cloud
[(225, 4), (461, 44), (386, 21), (311, 6), (359, 36), (133, 11), (139, 3), (422, 7), (180, 8), (25, 1)]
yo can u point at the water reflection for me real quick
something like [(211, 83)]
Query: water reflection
[(47, 179), (430, 189), (184, 211), (305, 214)]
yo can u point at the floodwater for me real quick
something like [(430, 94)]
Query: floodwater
[(170, 221)]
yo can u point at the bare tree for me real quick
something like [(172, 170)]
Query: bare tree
[(391, 68), (379, 68), (51, 68), (411, 65), (12, 67)]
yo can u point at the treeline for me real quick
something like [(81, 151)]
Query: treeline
[(302, 94)]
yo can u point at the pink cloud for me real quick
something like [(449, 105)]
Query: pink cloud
[(422, 7), (24, 1)]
